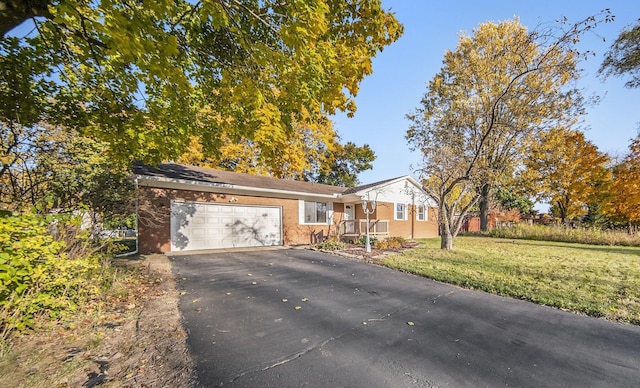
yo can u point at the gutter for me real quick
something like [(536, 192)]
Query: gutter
[(183, 184)]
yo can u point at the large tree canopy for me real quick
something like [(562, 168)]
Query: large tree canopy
[(623, 58), (496, 92), (311, 151), (150, 77), (567, 171), (624, 205)]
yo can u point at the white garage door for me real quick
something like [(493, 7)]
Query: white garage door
[(197, 225)]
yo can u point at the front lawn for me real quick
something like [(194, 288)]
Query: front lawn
[(600, 281)]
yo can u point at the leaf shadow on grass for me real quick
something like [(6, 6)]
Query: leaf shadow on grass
[(603, 248)]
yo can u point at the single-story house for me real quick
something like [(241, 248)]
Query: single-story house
[(184, 208)]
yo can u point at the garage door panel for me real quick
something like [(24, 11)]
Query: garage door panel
[(210, 226)]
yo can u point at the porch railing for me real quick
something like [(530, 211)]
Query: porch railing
[(357, 228)]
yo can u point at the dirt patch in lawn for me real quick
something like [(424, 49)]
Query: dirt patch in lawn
[(134, 339)]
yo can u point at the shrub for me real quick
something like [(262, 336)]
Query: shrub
[(331, 245), (390, 243), (38, 275), (363, 240)]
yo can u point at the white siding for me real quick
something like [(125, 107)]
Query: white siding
[(400, 192)]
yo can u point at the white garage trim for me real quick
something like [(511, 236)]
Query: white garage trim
[(203, 225)]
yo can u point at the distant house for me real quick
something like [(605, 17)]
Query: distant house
[(495, 219), (192, 208)]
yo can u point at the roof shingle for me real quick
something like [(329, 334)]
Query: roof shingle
[(209, 175)]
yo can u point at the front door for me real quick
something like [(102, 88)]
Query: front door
[(349, 217)]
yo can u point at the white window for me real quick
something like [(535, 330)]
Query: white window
[(316, 212), (421, 213), (401, 211)]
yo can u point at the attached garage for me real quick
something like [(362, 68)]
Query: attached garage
[(198, 225), (186, 208)]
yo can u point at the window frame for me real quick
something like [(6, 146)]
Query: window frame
[(424, 213), (320, 207), (404, 211)]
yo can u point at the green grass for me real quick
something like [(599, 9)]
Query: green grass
[(600, 281)]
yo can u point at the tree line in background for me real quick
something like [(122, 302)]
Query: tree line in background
[(500, 123)]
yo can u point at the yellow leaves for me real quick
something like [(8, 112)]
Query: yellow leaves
[(273, 149), (625, 188), (494, 94), (151, 65), (568, 169), (216, 12)]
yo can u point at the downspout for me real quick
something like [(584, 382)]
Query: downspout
[(134, 252), (412, 213)]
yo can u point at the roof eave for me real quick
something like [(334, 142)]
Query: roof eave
[(226, 188), (387, 183)]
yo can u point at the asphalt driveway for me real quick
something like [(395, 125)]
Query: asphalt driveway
[(294, 318)]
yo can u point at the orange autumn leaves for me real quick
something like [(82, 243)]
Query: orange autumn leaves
[(571, 173), (624, 204)]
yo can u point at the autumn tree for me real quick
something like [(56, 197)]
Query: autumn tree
[(623, 58), (625, 188), (148, 77), (342, 167), (498, 90), (508, 197), (46, 167), (568, 172), (312, 151)]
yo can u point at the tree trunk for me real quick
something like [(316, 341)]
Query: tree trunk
[(446, 241), (444, 225), (484, 207), (562, 212), (15, 12)]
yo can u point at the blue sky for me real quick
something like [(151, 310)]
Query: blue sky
[(431, 27)]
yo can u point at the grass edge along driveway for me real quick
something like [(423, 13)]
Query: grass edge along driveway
[(600, 281)]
